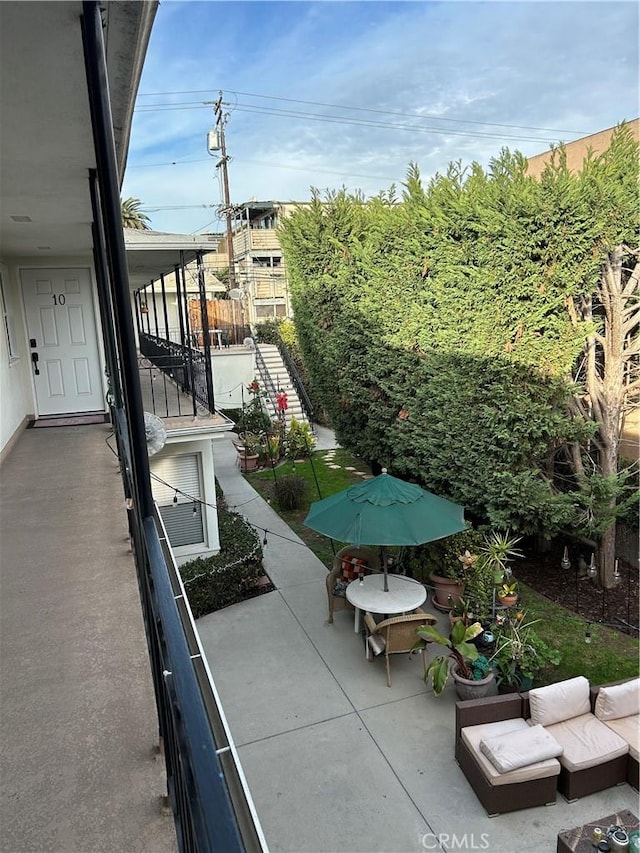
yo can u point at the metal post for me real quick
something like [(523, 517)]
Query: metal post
[(104, 295), (155, 309), (206, 341), (187, 333), (164, 307), (107, 171)]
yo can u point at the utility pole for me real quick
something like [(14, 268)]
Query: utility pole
[(220, 123)]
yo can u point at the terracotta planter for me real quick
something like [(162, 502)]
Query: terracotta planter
[(467, 689), (248, 462), (446, 591), (508, 600)]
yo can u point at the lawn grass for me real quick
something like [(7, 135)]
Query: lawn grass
[(321, 481), (610, 656)]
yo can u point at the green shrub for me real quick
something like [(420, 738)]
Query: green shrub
[(299, 440), (215, 582), (291, 491)]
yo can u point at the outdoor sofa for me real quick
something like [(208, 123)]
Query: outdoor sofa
[(591, 753)]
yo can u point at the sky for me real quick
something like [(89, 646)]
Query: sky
[(333, 94)]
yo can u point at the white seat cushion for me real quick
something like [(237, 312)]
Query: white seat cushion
[(560, 701), (473, 735), (520, 748), (587, 742), (619, 700), (629, 729)]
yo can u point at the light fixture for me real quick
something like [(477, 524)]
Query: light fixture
[(616, 574), (17, 218), (565, 563), (264, 541), (175, 497), (592, 571), (587, 634)]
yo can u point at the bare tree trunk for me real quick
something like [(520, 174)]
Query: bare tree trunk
[(609, 350)]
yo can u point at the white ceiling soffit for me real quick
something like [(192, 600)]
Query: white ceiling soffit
[(150, 253), (46, 142)]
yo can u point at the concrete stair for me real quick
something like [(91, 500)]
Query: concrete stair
[(281, 380)]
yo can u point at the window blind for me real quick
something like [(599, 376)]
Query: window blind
[(183, 520)]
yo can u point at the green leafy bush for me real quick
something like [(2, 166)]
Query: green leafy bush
[(299, 440), (215, 582), (290, 490)]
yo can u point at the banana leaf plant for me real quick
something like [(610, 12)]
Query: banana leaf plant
[(460, 650)]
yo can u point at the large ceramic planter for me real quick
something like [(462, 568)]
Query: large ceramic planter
[(446, 592), (248, 462), (467, 689)]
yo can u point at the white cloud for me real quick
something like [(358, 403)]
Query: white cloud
[(561, 65)]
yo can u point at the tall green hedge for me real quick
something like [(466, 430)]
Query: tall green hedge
[(435, 327)]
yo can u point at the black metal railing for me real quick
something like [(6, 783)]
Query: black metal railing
[(185, 366), (296, 379), (292, 370), (206, 787), (265, 376)]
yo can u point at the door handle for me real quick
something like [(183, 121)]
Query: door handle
[(34, 360)]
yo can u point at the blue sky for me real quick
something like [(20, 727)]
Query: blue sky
[(389, 83)]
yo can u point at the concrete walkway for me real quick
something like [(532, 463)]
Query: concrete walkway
[(78, 718), (335, 760)]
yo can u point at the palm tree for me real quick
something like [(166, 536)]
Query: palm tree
[(132, 216)]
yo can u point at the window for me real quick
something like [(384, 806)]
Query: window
[(182, 519), (7, 319)]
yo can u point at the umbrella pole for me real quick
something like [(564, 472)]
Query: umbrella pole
[(383, 552)]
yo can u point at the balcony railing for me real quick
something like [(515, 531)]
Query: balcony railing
[(207, 788), (184, 366)]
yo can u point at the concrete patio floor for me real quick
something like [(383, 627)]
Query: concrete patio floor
[(335, 760), (78, 724)]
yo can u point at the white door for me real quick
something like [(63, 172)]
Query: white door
[(63, 344)]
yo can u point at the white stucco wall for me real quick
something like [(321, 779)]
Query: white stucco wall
[(233, 369), (16, 397), (201, 445)]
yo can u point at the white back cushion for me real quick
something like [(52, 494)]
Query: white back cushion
[(619, 700), (561, 701)]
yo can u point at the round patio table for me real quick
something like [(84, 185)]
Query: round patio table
[(404, 595)]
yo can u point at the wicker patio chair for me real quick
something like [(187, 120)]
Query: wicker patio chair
[(395, 635), (337, 600)]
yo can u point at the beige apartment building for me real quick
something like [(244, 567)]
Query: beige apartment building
[(578, 150)]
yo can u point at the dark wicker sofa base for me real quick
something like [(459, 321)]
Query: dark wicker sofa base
[(505, 798), (498, 799), (579, 783)]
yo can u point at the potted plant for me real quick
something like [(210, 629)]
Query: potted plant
[(449, 586), (520, 655), (469, 670), (508, 594), (248, 451), (460, 611)]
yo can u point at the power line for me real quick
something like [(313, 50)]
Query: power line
[(365, 109), (334, 119), (261, 163)]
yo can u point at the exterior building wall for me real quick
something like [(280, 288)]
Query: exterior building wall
[(578, 150), (17, 394), (259, 261), (233, 370)]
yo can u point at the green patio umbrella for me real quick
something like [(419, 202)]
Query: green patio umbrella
[(385, 511)]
